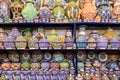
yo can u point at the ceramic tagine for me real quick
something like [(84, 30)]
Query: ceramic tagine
[(115, 44), (88, 11), (109, 34), (102, 43), (81, 40), (29, 11), (45, 13), (9, 43), (33, 43), (20, 42), (15, 32), (59, 13), (2, 37), (69, 42), (43, 43)]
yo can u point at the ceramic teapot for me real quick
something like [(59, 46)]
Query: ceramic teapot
[(9, 43), (45, 13), (102, 43), (33, 43), (29, 12), (20, 42)]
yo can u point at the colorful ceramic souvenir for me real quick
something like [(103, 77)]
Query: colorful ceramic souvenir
[(94, 34), (20, 42), (81, 55), (109, 34), (45, 65), (29, 11), (25, 56), (112, 65), (15, 66), (102, 43), (47, 56), (59, 13), (13, 56), (96, 63), (3, 56), (43, 43), (35, 65), (2, 37), (91, 55), (45, 13), (64, 65), (25, 65), (115, 44), (5, 65), (27, 34), (33, 43), (88, 12), (40, 34), (80, 65), (9, 43), (69, 42), (16, 8), (15, 32), (37, 56), (58, 56), (69, 55), (54, 65), (91, 43)]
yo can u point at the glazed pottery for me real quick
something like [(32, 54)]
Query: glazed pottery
[(69, 55), (25, 74), (25, 56), (91, 43), (88, 11), (54, 65), (40, 34), (64, 65), (94, 34), (15, 66), (80, 65), (33, 75), (81, 55), (9, 43), (13, 56), (27, 34), (25, 65), (33, 43), (43, 43), (47, 56), (15, 32), (45, 13), (6, 64), (102, 43), (58, 56), (2, 37), (35, 65), (69, 42), (112, 65), (115, 44), (45, 65), (91, 55), (20, 42), (37, 56), (17, 75), (109, 34), (29, 11)]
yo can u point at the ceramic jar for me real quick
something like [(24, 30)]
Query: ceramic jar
[(29, 11), (37, 56), (15, 32), (13, 56), (88, 11), (45, 65), (91, 43), (25, 56), (2, 37), (59, 13), (64, 65), (102, 43), (9, 43), (15, 66), (25, 65), (69, 42), (115, 44), (54, 65), (33, 43), (58, 56), (20, 42), (45, 13), (109, 34), (81, 40), (43, 43)]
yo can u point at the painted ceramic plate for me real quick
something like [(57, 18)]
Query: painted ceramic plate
[(37, 56), (91, 55), (69, 55), (103, 57), (25, 56), (81, 55), (3, 56), (47, 56), (13, 56), (58, 56)]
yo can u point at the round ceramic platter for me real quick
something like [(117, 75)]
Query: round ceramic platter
[(103, 57), (13, 56), (25, 56), (37, 56), (81, 55), (91, 55)]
